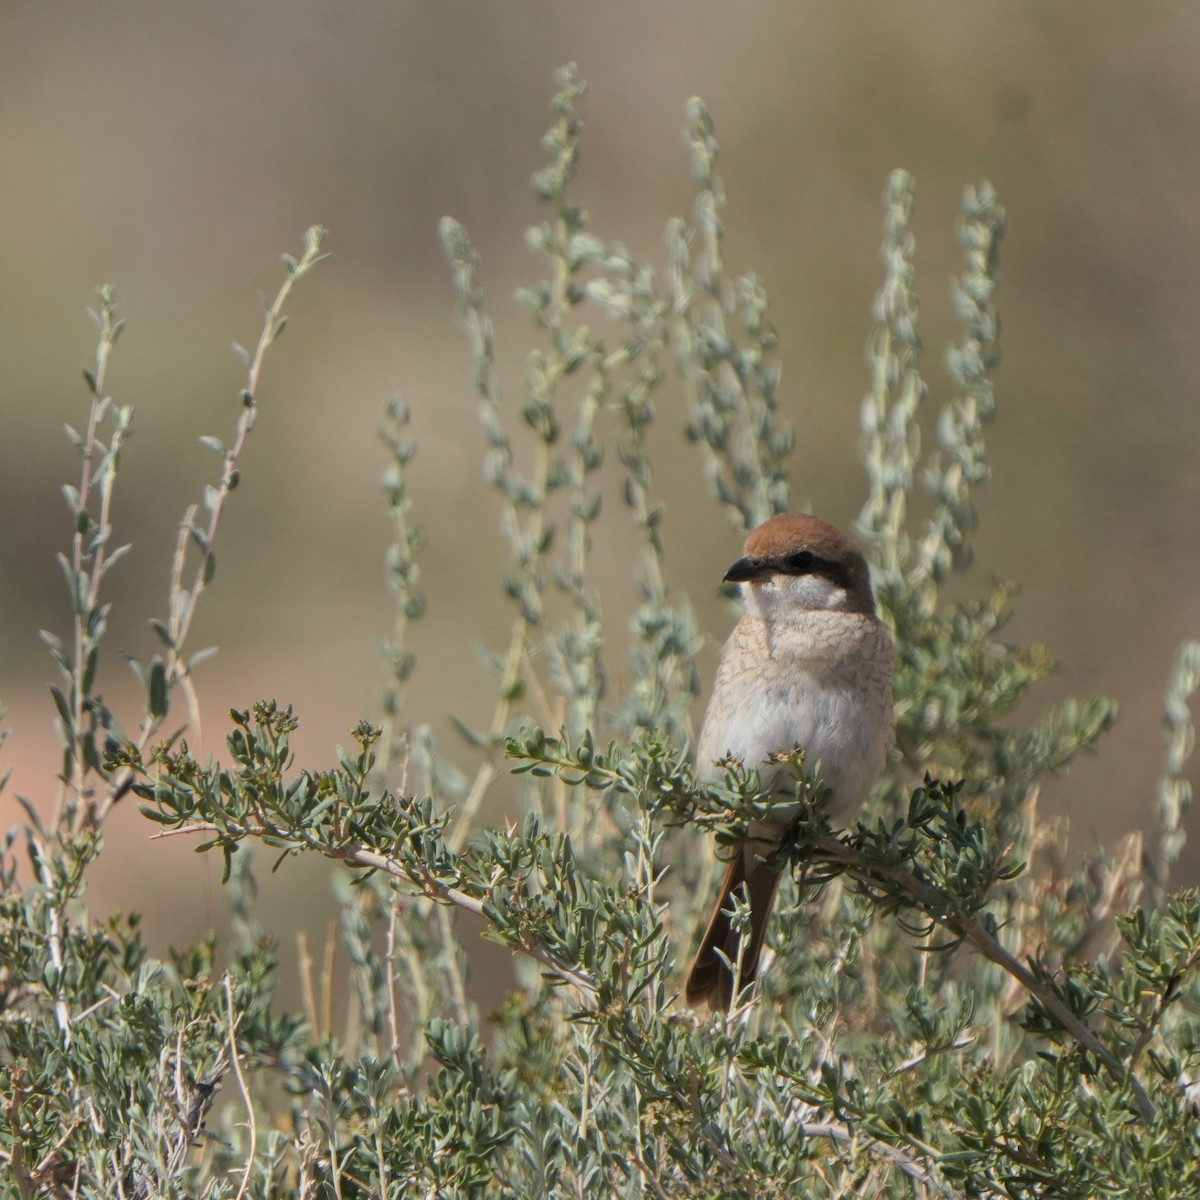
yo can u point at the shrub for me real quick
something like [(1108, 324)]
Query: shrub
[(948, 1010)]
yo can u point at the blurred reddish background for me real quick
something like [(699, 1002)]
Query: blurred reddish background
[(177, 150)]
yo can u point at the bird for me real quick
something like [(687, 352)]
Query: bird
[(808, 665)]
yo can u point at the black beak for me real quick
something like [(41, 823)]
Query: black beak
[(749, 570)]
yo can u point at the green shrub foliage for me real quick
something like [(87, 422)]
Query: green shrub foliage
[(948, 1011)]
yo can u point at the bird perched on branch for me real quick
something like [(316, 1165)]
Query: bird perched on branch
[(808, 665)]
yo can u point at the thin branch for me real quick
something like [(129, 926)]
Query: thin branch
[(89, 541), (184, 601), (903, 1161), (1168, 996), (916, 1060), (309, 1156), (933, 901), (649, 1179), (389, 959), (193, 1103), (26, 1185), (55, 917), (235, 1059), (306, 973), (327, 977), (357, 855), (727, 1161)]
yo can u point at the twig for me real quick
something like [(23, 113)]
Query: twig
[(900, 1159), (91, 1008), (727, 1161), (933, 902), (648, 1178), (306, 974), (26, 1185), (1169, 994), (309, 1155), (184, 600), (917, 1059), (452, 970), (359, 856), (193, 1100), (390, 961), (235, 1059), (90, 540), (327, 976)]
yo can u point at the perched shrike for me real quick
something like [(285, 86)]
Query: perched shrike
[(809, 664)]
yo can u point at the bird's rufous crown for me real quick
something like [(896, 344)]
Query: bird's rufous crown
[(789, 532)]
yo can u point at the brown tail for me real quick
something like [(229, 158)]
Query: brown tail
[(710, 981)]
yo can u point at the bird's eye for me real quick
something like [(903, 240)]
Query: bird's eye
[(802, 561)]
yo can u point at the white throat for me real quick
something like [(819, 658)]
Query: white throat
[(785, 596)]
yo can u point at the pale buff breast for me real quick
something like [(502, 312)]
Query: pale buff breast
[(822, 681)]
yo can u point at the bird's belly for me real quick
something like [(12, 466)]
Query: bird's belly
[(838, 729)]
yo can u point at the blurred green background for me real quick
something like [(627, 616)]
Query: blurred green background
[(176, 150)]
